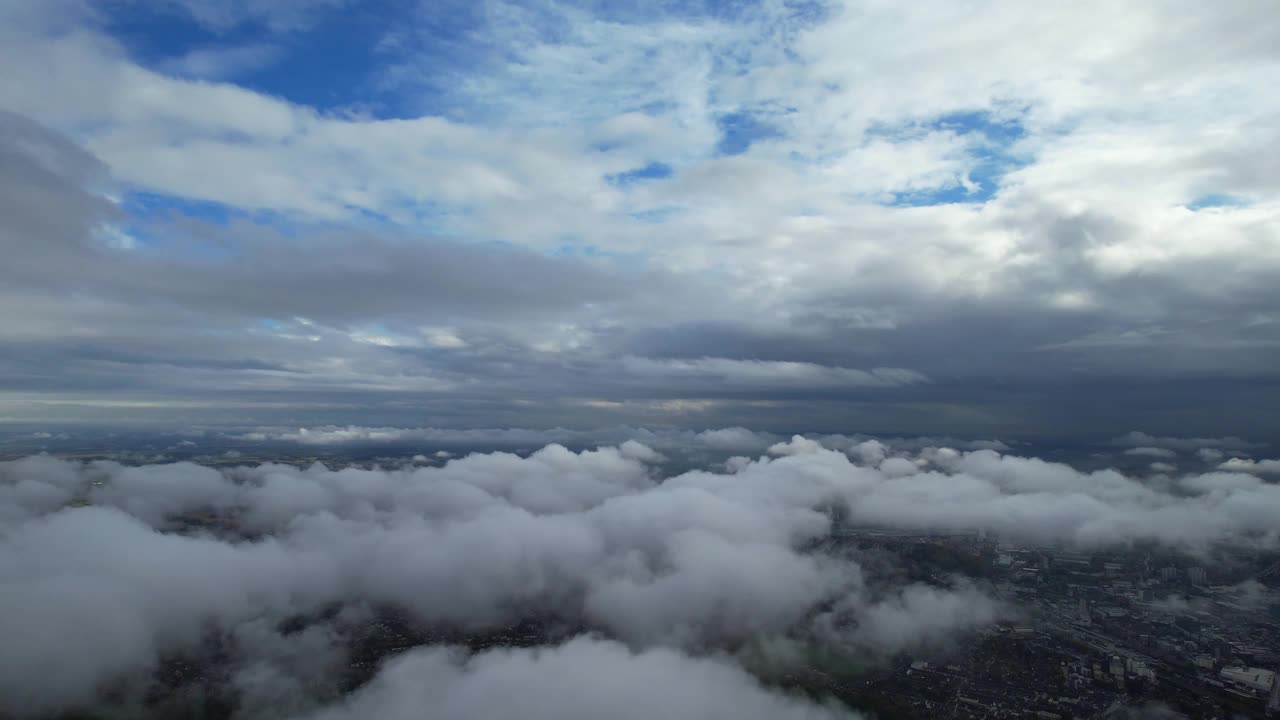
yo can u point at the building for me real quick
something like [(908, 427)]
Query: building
[(1197, 575), (1117, 671), (1256, 679)]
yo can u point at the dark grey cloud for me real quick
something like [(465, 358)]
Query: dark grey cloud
[(55, 228), (198, 321)]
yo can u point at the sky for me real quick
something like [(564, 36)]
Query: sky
[(992, 219)]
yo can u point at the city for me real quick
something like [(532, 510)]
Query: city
[(1096, 632), (1086, 634)]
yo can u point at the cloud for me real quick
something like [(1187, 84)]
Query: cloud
[(104, 596), (1142, 441), (449, 225), (1151, 452), (221, 63), (1210, 455), (221, 16), (727, 438), (1236, 464), (585, 678), (698, 561), (761, 372), (735, 438), (921, 615), (869, 450)]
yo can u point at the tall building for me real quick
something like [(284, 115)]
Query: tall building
[(1083, 611), (1117, 671), (1169, 574), (1197, 575)]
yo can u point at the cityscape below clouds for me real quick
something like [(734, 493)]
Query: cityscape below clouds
[(693, 359)]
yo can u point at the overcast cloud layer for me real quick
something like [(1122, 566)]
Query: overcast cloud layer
[(997, 219)]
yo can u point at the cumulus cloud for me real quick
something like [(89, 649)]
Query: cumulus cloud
[(1151, 452), (701, 561), (1137, 440), (597, 539), (735, 438), (582, 679), (1210, 455), (921, 615), (1236, 464), (729, 439), (102, 596), (870, 452)]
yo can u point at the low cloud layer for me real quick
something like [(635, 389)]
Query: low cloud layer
[(727, 439), (702, 562), (581, 680)]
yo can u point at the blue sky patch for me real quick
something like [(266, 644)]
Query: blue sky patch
[(149, 206), (652, 171), (964, 123), (655, 216), (992, 156), (1216, 200), (740, 130), (336, 63)]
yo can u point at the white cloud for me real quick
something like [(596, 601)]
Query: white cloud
[(1210, 455), (1151, 452), (772, 372), (1138, 439), (735, 438), (699, 559), (591, 537), (582, 679), (221, 63), (1236, 464)]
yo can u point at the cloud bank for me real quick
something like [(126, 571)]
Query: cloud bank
[(680, 570), (698, 563)]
